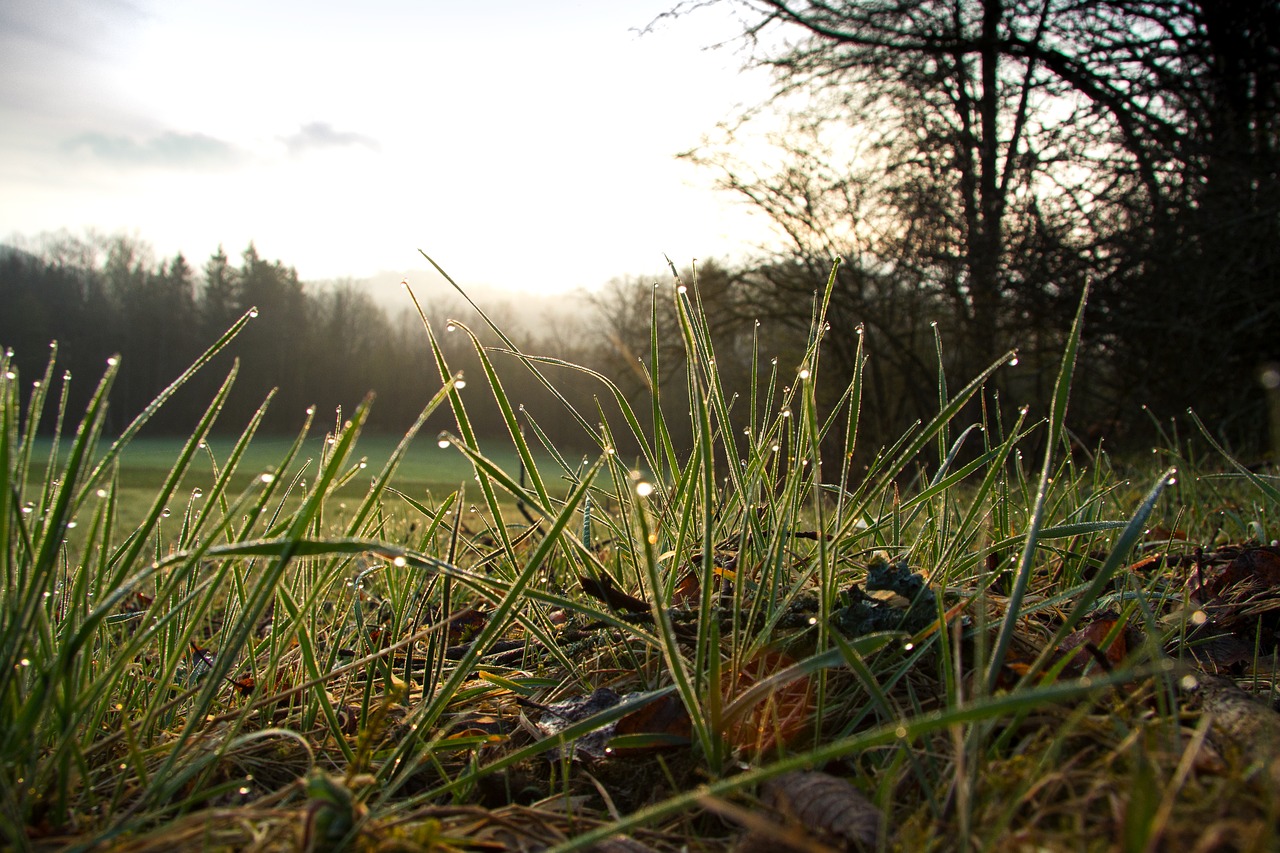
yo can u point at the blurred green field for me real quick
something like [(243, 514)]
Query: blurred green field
[(427, 473)]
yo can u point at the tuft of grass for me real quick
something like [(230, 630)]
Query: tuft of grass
[(433, 673)]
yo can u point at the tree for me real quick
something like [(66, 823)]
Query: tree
[(220, 303), (992, 155)]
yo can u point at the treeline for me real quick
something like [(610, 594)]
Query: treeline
[(330, 345), (324, 346)]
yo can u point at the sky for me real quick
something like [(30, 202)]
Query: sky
[(524, 144)]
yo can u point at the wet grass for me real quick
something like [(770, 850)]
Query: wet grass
[(334, 646)]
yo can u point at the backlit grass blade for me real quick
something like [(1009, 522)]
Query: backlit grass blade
[(1057, 419)]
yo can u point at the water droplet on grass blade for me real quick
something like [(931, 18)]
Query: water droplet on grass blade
[(443, 443), (253, 312), (644, 489)]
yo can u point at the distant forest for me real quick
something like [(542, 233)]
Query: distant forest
[(331, 344), (325, 345)]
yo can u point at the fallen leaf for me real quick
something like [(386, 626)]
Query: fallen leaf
[(779, 717), (826, 806), (1089, 644), (665, 717), (1240, 724), (1257, 569)]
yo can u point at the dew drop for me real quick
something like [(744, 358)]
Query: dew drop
[(311, 410), (773, 360), (804, 373), (786, 413), (71, 524), (644, 489), (102, 493), (399, 562), (267, 478), (1013, 362), (460, 384), (443, 443), (1189, 682), (450, 327), (253, 312), (166, 512), (197, 493), (775, 448), (682, 289), (113, 361), (10, 375)]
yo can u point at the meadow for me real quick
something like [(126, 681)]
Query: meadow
[(738, 645)]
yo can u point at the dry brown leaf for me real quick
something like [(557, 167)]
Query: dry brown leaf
[(1241, 724), (826, 806)]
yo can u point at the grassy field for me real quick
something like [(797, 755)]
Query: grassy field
[(426, 472), (958, 647)]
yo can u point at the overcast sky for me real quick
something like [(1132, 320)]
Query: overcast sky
[(523, 143)]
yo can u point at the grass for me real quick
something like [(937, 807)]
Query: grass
[(424, 471), (962, 634)]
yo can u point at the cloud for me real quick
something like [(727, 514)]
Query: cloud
[(319, 134), (170, 150)]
